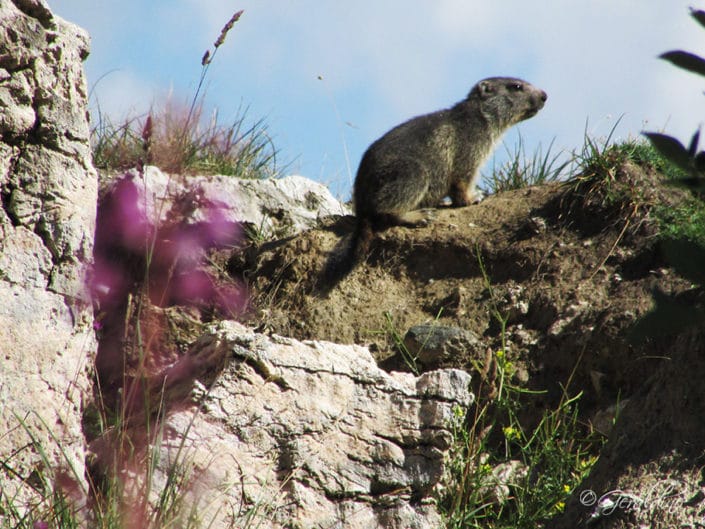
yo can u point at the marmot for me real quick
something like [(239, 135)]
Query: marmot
[(430, 157)]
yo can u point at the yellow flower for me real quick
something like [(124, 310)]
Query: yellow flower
[(510, 433), (559, 507), (500, 354), (566, 489), (587, 463)]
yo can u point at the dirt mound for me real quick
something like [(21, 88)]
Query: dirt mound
[(565, 269), (569, 267)]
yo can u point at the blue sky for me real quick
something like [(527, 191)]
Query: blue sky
[(382, 62)]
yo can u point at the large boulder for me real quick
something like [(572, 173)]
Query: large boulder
[(282, 433), (48, 191)]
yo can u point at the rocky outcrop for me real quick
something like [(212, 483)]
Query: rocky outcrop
[(268, 208), (47, 210), (303, 435)]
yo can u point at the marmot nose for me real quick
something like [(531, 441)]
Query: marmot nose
[(544, 96)]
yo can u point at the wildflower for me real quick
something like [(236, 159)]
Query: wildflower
[(566, 489), (162, 260), (511, 433), (585, 464)]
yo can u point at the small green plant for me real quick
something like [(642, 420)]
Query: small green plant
[(599, 157), (258, 234), (521, 171), (547, 459), (596, 186), (391, 330), (186, 142), (605, 185)]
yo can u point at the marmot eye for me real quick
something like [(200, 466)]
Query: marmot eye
[(516, 87)]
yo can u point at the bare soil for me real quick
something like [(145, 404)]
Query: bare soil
[(570, 266)]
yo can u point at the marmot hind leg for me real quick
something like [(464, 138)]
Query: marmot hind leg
[(392, 192)]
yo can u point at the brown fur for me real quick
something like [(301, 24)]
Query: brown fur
[(420, 162)]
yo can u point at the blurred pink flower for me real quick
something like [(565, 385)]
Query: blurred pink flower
[(133, 256)]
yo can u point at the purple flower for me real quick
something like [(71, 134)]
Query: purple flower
[(133, 256)]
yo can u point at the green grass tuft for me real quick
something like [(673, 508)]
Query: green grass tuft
[(683, 222), (179, 140), (523, 170)]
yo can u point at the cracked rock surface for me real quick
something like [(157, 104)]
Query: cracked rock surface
[(47, 211), (312, 434)]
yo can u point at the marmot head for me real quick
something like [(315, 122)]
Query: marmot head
[(507, 100)]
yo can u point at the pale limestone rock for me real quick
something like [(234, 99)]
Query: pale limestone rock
[(47, 210), (496, 487), (274, 207), (311, 434)]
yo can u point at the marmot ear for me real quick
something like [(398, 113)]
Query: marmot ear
[(485, 89)]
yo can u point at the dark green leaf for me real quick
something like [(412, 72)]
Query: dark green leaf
[(700, 162), (687, 258), (693, 148), (685, 60), (670, 148), (698, 15)]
